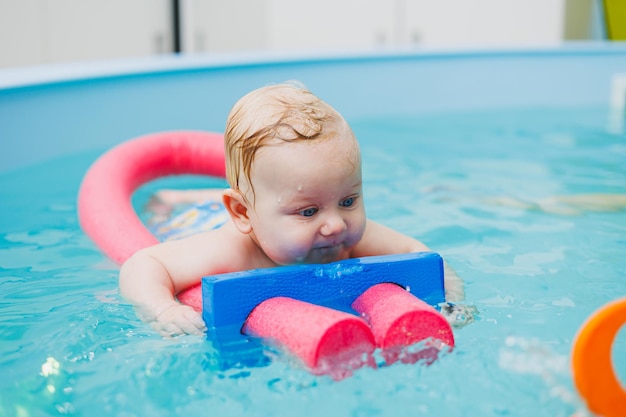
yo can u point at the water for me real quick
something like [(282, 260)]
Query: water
[(71, 346)]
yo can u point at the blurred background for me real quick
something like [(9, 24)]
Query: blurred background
[(34, 32)]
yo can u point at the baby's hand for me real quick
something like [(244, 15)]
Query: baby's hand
[(177, 320), (458, 315)]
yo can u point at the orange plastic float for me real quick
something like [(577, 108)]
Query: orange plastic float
[(592, 368)]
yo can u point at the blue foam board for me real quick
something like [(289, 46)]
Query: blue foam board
[(229, 298)]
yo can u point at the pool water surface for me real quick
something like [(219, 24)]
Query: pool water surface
[(481, 188)]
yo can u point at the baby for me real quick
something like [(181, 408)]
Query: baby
[(294, 169)]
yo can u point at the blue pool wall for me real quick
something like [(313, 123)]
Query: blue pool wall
[(50, 111)]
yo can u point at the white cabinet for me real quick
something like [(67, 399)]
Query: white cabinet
[(502, 23), (323, 24), (41, 31), (223, 25), (220, 25), (22, 32)]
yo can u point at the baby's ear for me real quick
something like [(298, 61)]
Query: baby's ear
[(237, 207)]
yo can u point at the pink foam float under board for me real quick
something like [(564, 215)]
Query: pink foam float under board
[(327, 341), (399, 320)]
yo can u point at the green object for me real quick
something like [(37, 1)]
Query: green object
[(615, 15)]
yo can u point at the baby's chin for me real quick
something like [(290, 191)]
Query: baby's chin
[(325, 255), (321, 255)]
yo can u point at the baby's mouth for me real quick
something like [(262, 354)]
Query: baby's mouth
[(330, 250), (329, 247)]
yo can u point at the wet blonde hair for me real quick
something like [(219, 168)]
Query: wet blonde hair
[(283, 112)]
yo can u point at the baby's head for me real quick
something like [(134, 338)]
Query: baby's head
[(274, 114), (294, 169)]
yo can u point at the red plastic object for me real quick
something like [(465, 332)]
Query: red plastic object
[(327, 341), (104, 200), (192, 297), (399, 320)]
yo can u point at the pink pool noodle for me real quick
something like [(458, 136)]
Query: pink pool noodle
[(398, 320), (192, 297), (327, 341), (105, 211)]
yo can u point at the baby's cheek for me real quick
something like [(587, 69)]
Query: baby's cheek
[(356, 230), (286, 252)]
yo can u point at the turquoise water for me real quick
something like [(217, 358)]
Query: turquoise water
[(71, 346)]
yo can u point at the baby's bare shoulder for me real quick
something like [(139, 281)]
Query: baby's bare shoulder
[(229, 250)]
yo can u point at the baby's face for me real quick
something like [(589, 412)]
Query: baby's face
[(308, 205)]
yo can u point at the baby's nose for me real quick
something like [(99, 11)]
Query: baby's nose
[(333, 226)]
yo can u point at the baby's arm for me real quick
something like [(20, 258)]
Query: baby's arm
[(151, 278), (382, 240)]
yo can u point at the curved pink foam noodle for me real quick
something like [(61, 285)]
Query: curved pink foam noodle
[(105, 211)]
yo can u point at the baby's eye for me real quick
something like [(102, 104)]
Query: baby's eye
[(310, 212), (347, 202)]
